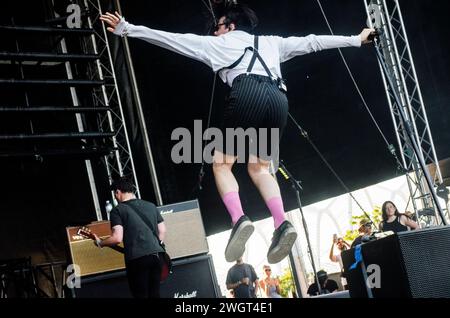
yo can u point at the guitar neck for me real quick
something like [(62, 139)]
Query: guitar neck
[(89, 235)]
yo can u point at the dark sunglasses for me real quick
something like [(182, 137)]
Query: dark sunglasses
[(268, 270), (217, 26)]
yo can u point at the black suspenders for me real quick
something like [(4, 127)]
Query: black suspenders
[(256, 55), (280, 82)]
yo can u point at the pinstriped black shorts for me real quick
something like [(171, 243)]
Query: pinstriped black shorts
[(255, 101)]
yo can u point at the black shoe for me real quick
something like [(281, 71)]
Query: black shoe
[(282, 241), (240, 234)]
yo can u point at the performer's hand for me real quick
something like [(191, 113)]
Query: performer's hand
[(97, 240), (112, 20), (365, 34), (245, 281)]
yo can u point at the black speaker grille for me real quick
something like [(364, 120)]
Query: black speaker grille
[(426, 255), (192, 277)]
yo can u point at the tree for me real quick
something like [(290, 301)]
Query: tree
[(376, 217), (287, 286)]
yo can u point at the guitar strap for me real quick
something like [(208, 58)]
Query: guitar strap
[(162, 256), (146, 222)]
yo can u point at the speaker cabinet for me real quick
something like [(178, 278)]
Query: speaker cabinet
[(89, 258), (413, 265), (185, 231), (191, 278)]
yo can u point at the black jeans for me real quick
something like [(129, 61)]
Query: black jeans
[(144, 275)]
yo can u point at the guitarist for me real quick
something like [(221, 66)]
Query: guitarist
[(136, 223)]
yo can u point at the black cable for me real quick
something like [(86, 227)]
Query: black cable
[(201, 173), (306, 135), (211, 106), (390, 146)]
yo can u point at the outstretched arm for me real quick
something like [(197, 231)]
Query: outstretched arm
[(189, 45), (295, 46), (332, 256)]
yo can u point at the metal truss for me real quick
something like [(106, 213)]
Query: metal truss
[(386, 17), (120, 161)]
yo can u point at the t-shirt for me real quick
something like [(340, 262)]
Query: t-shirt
[(357, 241), (138, 238), (236, 274), (341, 264), (330, 286), (339, 259)]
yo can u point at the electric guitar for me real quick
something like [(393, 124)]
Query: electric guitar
[(166, 264)]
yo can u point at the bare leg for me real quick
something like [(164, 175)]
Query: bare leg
[(229, 192), (259, 171), (268, 187), (284, 234), (225, 180)]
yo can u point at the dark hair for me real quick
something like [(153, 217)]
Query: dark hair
[(123, 184), (241, 16), (344, 246), (384, 208)]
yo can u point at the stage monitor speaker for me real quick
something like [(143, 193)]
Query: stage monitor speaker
[(185, 231), (412, 264), (89, 258), (191, 278)]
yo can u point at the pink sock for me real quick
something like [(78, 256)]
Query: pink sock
[(234, 207), (275, 206)]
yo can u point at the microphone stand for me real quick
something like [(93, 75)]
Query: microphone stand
[(296, 185)]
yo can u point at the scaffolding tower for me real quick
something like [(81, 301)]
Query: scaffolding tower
[(63, 94), (407, 108)]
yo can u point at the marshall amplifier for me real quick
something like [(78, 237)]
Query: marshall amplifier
[(185, 237), (185, 231), (191, 278), (411, 264)]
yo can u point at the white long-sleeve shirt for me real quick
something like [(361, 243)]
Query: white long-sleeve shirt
[(219, 52)]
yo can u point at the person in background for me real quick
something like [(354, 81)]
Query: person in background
[(136, 223), (365, 231), (335, 255), (242, 280), (328, 286), (270, 286), (395, 221)]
